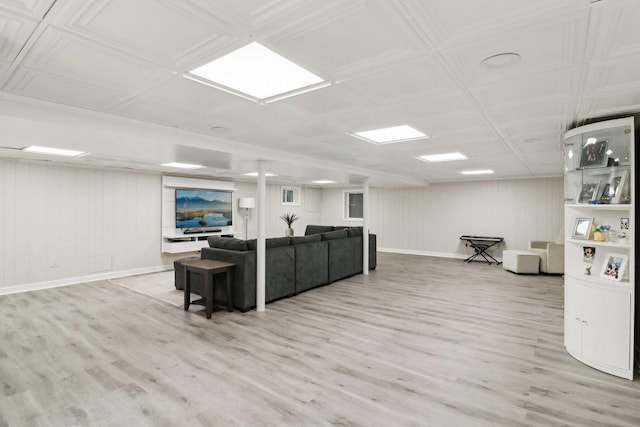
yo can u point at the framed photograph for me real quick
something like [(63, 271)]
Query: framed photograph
[(594, 154), (614, 266), (624, 223), (616, 184), (607, 194), (582, 229), (588, 192), (588, 253)]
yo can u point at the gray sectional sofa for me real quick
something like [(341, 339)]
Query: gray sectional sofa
[(293, 265)]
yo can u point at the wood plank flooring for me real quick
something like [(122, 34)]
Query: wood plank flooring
[(419, 342)]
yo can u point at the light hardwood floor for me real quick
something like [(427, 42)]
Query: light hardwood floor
[(420, 341)]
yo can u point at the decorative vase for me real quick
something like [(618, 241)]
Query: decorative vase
[(599, 236), (289, 232)]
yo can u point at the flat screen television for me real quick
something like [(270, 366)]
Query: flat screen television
[(197, 208)]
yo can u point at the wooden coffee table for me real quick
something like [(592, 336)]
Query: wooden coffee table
[(208, 268)]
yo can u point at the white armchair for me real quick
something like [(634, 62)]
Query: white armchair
[(551, 256)]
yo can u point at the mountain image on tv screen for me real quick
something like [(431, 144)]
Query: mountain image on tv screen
[(203, 208)]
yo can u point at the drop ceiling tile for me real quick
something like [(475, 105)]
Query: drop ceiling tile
[(326, 102), (548, 45), (528, 89), (619, 102), (143, 27), (191, 95), (33, 8), (357, 39), (14, 32), (616, 31), (63, 54), (553, 107), (449, 23), (424, 76), (613, 75), (155, 112), (60, 90)]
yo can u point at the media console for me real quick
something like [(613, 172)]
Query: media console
[(199, 230), (178, 243)]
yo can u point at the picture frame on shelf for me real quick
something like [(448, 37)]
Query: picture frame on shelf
[(607, 194), (582, 228), (588, 254), (617, 182), (614, 267), (594, 154), (624, 223), (588, 192)]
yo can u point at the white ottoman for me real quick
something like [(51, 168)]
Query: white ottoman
[(521, 262)]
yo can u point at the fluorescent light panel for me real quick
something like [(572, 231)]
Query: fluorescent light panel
[(182, 165), (391, 134), (53, 151), (323, 181), (257, 71), (478, 172), (444, 157), (256, 174)]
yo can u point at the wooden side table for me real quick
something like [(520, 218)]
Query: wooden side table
[(208, 268)]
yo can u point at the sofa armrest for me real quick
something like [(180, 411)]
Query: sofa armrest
[(538, 244), (555, 250)]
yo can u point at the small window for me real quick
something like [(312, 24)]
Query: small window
[(353, 205), (290, 196)]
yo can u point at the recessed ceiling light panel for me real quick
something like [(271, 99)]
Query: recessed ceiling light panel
[(391, 135), (53, 151), (256, 174), (182, 165), (257, 71), (444, 157), (478, 172), (323, 181)]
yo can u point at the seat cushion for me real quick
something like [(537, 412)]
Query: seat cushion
[(521, 262)]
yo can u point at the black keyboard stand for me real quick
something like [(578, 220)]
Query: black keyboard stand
[(480, 246)]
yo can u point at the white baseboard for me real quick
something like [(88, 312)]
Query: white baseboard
[(434, 254), (27, 287)]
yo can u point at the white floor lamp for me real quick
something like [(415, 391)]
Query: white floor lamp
[(246, 203)]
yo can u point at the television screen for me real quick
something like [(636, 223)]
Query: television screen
[(203, 208)]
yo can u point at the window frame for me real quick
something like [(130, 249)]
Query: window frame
[(346, 206)]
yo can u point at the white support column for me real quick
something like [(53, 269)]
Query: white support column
[(261, 245), (365, 226)]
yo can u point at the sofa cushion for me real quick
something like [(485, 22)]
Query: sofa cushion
[(306, 239), (341, 227), (333, 235), (317, 229), (227, 243), (353, 232), (273, 242)]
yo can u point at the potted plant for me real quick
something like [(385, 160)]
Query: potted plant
[(289, 219)]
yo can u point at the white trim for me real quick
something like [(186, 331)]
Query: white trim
[(427, 253), (36, 286)]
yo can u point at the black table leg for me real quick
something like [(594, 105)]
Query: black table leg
[(187, 289), (229, 274), (208, 291)]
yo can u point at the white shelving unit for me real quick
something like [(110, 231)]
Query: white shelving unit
[(600, 312)]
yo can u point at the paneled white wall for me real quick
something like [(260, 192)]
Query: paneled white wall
[(59, 222), (430, 220), (309, 210)]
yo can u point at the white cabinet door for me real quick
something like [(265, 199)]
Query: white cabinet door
[(572, 316), (606, 326)]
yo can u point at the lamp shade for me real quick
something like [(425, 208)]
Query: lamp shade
[(247, 202)]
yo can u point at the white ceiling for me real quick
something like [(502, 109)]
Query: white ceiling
[(392, 62)]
